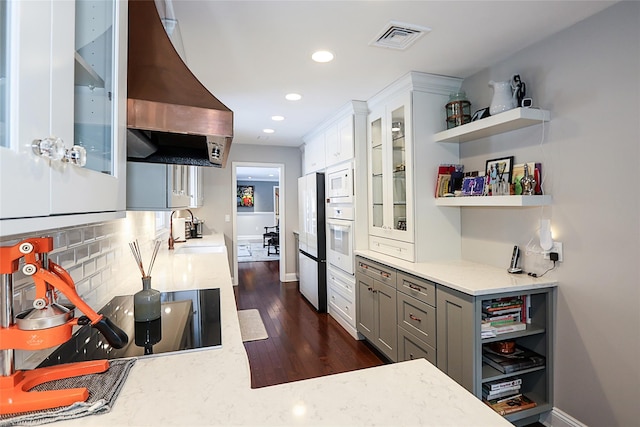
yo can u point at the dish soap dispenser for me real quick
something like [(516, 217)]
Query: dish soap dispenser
[(146, 303)]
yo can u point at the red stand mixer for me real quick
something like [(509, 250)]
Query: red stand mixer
[(46, 325)]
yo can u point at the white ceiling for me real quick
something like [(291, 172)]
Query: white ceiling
[(251, 53)]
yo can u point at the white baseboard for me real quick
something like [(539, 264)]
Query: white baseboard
[(290, 277), (558, 418), (347, 327), (250, 238)]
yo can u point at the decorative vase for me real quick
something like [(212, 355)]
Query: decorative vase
[(146, 303), (502, 97)]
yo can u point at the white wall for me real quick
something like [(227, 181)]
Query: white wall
[(219, 191), (589, 78), (250, 225)]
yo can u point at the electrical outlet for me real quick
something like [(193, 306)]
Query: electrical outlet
[(557, 248)]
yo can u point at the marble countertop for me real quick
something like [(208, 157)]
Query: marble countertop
[(468, 277), (213, 386)]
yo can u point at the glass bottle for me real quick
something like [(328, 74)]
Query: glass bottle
[(146, 303)]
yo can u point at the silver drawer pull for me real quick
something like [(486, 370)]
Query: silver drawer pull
[(412, 317), (415, 287)]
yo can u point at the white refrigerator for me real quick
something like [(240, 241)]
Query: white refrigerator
[(312, 256)]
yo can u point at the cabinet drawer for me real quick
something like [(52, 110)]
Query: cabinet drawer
[(380, 272), (344, 307), (411, 347), (417, 317), (341, 283), (417, 287), (394, 248)]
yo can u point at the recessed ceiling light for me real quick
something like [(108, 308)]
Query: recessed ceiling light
[(277, 118), (268, 130), (322, 56), (293, 97)]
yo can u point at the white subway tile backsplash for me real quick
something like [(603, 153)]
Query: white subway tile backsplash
[(94, 249), (89, 267), (66, 258), (89, 233), (101, 262), (74, 237)]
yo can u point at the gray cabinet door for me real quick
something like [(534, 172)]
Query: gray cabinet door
[(411, 347), (418, 318), (387, 328), (455, 336), (365, 308)]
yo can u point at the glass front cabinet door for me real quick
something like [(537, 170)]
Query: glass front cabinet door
[(63, 112), (390, 210)]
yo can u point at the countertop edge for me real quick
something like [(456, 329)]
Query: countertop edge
[(468, 277)]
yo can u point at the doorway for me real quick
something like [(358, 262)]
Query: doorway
[(258, 214)]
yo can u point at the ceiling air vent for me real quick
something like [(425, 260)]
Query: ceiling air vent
[(398, 35)]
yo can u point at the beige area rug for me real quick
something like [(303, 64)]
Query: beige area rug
[(251, 326)]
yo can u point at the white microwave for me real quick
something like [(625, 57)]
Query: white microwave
[(339, 186)]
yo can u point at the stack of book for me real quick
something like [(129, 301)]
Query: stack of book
[(501, 316), (521, 358), (512, 404), (500, 389), (504, 396)]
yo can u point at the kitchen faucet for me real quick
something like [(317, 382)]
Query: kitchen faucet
[(171, 241)]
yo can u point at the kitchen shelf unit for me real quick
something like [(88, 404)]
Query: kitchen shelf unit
[(506, 121), (460, 345), (515, 201)]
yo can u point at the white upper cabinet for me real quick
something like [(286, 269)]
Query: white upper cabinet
[(339, 141), (332, 142), (64, 78), (314, 154), (391, 210), (404, 221)]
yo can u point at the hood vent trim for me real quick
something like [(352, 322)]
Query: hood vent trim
[(399, 35), (171, 116)]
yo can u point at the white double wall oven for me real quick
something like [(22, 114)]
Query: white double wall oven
[(340, 215)]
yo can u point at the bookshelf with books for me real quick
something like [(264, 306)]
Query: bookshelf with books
[(524, 355), (462, 351)]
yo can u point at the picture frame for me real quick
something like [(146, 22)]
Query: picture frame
[(245, 196), (498, 172)]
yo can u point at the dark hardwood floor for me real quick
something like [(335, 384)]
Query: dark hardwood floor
[(302, 343)]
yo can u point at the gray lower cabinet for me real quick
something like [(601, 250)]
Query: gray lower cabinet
[(376, 307), (460, 347), (416, 318), (456, 338), (411, 347), (408, 317)]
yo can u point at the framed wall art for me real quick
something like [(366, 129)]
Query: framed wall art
[(498, 172), (245, 196)]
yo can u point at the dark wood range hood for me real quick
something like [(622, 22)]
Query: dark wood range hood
[(171, 117)]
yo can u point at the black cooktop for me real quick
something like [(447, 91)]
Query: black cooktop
[(189, 320)]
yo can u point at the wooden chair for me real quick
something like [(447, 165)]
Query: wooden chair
[(271, 239)]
